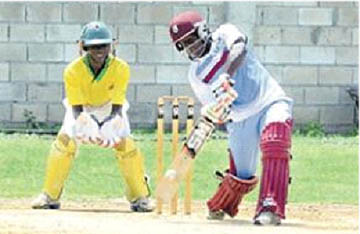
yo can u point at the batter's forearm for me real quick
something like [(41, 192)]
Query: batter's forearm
[(236, 63), (237, 55)]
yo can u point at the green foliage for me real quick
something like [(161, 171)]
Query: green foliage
[(324, 169), (32, 125), (353, 132), (312, 129), (30, 120)]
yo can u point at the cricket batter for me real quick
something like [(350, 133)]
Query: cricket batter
[(261, 115), (96, 106)]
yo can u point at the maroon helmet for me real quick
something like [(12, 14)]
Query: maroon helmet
[(189, 32)]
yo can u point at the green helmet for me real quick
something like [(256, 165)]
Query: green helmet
[(95, 33)]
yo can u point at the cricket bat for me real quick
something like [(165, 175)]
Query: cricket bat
[(169, 183)]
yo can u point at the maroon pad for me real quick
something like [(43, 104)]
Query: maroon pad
[(230, 193), (275, 146)]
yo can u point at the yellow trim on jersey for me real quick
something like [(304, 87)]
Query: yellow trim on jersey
[(82, 88)]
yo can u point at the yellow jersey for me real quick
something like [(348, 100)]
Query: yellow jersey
[(83, 88)]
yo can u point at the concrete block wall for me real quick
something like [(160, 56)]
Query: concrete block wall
[(309, 47)]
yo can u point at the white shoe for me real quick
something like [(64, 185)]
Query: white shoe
[(267, 218), (216, 215), (142, 204), (44, 201)]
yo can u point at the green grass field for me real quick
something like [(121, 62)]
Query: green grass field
[(324, 170)]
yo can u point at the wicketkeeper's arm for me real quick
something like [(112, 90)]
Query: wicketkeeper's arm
[(116, 109), (77, 109)]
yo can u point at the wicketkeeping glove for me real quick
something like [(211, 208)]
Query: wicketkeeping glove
[(110, 131), (87, 128)]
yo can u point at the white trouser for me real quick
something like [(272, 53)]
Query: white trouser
[(244, 136)]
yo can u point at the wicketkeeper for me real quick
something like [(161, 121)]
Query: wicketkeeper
[(96, 106), (261, 115)]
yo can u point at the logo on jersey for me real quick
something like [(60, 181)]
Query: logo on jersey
[(111, 87)]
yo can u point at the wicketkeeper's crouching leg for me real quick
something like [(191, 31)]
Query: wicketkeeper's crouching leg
[(131, 165), (59, 162), (275, 146)]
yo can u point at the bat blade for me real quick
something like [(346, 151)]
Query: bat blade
[(169, 183)]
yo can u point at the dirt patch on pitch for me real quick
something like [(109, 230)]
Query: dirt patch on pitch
[(113, 216)]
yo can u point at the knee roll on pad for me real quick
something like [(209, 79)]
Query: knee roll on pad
[(276, 137), (64, 145), (275, 146), (230, 193)]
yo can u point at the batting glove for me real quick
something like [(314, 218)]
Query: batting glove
[(225, 95), (218, 113), (222, 88)]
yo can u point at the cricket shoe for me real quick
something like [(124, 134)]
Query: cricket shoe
[(44, 201), (216, 215), (141, 204), (267, 218)]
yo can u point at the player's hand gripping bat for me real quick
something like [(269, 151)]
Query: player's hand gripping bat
[(169, 183)]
